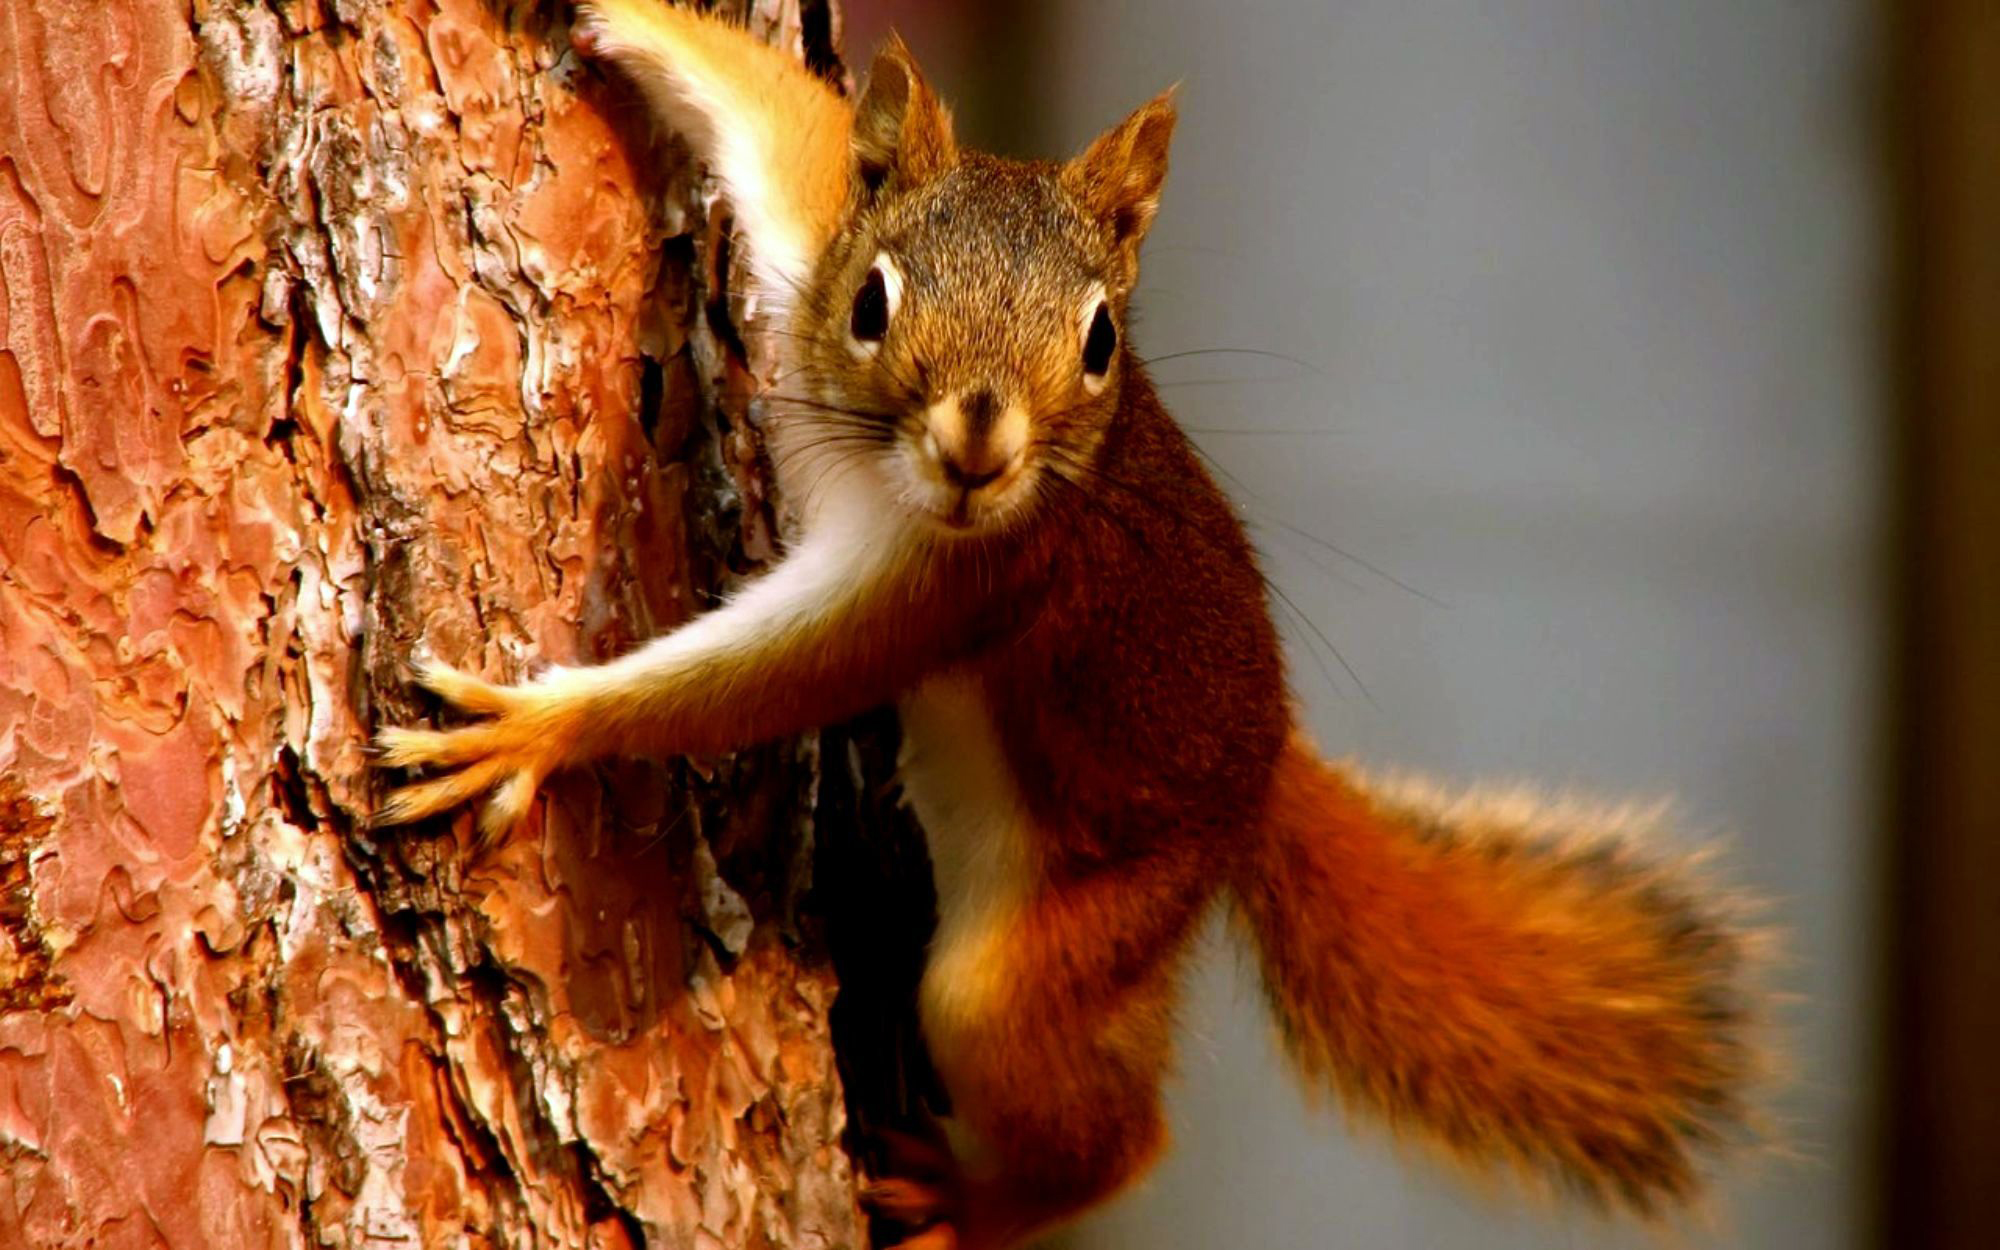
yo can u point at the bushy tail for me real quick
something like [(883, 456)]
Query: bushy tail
[(1512, 982)]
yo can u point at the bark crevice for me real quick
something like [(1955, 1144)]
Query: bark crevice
[(330, 332)]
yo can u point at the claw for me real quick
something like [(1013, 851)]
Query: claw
[(462, 690), (419, 748), (428, 798), (586, 31), (396, 747), (936, 1237), (508, 752), (907, 1201)]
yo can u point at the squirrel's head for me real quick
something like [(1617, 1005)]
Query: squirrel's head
[(965, 328)]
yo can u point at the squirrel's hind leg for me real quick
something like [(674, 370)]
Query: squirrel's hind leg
[(1054, 1066)]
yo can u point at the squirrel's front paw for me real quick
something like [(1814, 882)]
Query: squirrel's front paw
[(927, 1207), (509, 753), (923, 1193)]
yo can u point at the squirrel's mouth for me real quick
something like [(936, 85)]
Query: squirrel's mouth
[(962, 509), (967, 490)]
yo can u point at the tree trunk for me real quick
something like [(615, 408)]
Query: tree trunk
[(334, 331)]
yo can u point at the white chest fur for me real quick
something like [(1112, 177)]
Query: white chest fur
[(957, 780)]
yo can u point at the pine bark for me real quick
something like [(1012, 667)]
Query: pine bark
[(334, 332)]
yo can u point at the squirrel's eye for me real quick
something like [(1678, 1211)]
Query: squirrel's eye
[(874, 306), (870, 319), (1099, 343)]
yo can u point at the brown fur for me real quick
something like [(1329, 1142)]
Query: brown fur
[(1553, 1002), (1140, 713), (793, 180), (1510, 981)]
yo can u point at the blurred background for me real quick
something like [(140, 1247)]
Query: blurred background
[(1631, 426)]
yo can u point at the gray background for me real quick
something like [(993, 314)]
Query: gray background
[(1587, 298)]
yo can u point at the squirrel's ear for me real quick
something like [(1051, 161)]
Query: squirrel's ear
[(902, 131), (1119, 175)]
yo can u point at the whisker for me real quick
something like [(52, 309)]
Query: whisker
[(1357, 561), (1190, 353), (1300, 532), (877, 361), (1225, 431), (807, 403), (1320, 634), (1063, 457), (1182, 384)]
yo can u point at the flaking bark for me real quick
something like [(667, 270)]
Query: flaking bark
[(333, 330)]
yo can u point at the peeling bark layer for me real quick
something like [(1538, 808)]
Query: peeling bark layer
[(333, 330)]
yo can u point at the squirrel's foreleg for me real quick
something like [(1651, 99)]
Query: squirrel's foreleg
[(772, 132), (830, 632)]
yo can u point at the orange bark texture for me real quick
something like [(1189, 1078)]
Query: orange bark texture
[(332, 331)]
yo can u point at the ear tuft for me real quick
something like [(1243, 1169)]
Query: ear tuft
[(1119, 175), (902, 131)]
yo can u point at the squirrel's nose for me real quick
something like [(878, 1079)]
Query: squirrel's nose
[(976, 438)]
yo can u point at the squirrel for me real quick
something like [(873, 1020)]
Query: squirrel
[(1000, 530)]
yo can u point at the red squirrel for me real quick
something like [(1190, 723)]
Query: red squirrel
[(999, 529)]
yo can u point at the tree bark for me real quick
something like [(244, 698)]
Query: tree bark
[(333, 331)]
